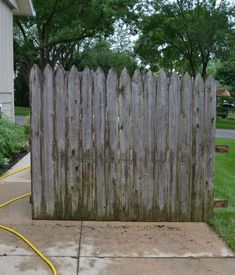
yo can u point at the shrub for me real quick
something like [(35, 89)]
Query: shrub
[(13, 142)]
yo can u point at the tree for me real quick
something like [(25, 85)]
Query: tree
[(61, 28), (185, 35), (101, 54)]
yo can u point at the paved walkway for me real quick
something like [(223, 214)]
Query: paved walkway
[(105, 248), (20, 120), (222, 133)]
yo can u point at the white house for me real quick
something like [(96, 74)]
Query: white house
[(8, 8)]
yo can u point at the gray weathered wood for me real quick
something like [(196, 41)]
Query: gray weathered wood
[(74, 168), (87, 142), (198, 143), (60, 141), (99, 131), (138, 143), (162, 156), (149, 192), (210, 117), (35, 95), (185, 148), (112, 144), (174, 122), (48, 140), (124, 101), (105, 148)]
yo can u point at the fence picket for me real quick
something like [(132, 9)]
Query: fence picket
[(60, 140), (210, 116), (149, 140), (112, 144), (87, 142), (174, 122), (185, 148), (124, 100), (198, 134), (48, 140), (74, 168), (99, 130), (35, 92), (138, 142), (162, 156)]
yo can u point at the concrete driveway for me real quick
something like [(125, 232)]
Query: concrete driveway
[(104, 248), (20, 120), (223, 133)]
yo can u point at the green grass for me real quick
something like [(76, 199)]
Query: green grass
[(226, 123), (223, 220), (22, 111)]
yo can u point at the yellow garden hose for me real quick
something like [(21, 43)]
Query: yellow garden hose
[(30, 245), (17, 233), (15, 199), (14, 172)]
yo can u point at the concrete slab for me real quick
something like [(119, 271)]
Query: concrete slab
[(27, 265), (172, 266), (123, 239), (19, 211), (23, 176), (52, 238)]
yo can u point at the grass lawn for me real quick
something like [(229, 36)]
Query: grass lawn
[(21, 111), (226, 123), (224, 218)]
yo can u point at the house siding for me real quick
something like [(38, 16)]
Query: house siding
[(6, 60)]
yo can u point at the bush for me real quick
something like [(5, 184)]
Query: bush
[(13, 142), (222, 111)]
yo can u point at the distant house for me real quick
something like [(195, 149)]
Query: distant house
[(8, 8)]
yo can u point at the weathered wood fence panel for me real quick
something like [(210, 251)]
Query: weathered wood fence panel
[(120, 147)]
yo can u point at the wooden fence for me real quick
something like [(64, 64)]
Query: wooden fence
[(121, 148)]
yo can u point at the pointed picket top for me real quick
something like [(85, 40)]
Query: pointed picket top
[(187, 83), (210, 78), (73, 73), (34, 71), (99, 70), (210, 86), (60, 72), (162, 81), (163, 75), (137, 76), (112, 75), (73, 70), (199, 83), (86, 70), (99, 73), (124, 80), (47, 69), (187, 77), (35, 79), (174, 85), (124, 74), (149, 73), (86, 75), (174, 79), (209, 81)]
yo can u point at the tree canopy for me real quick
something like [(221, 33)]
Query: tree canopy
[(63, 27), (185, 35)]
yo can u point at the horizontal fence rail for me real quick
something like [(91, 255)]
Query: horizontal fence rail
[(112, 147)]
